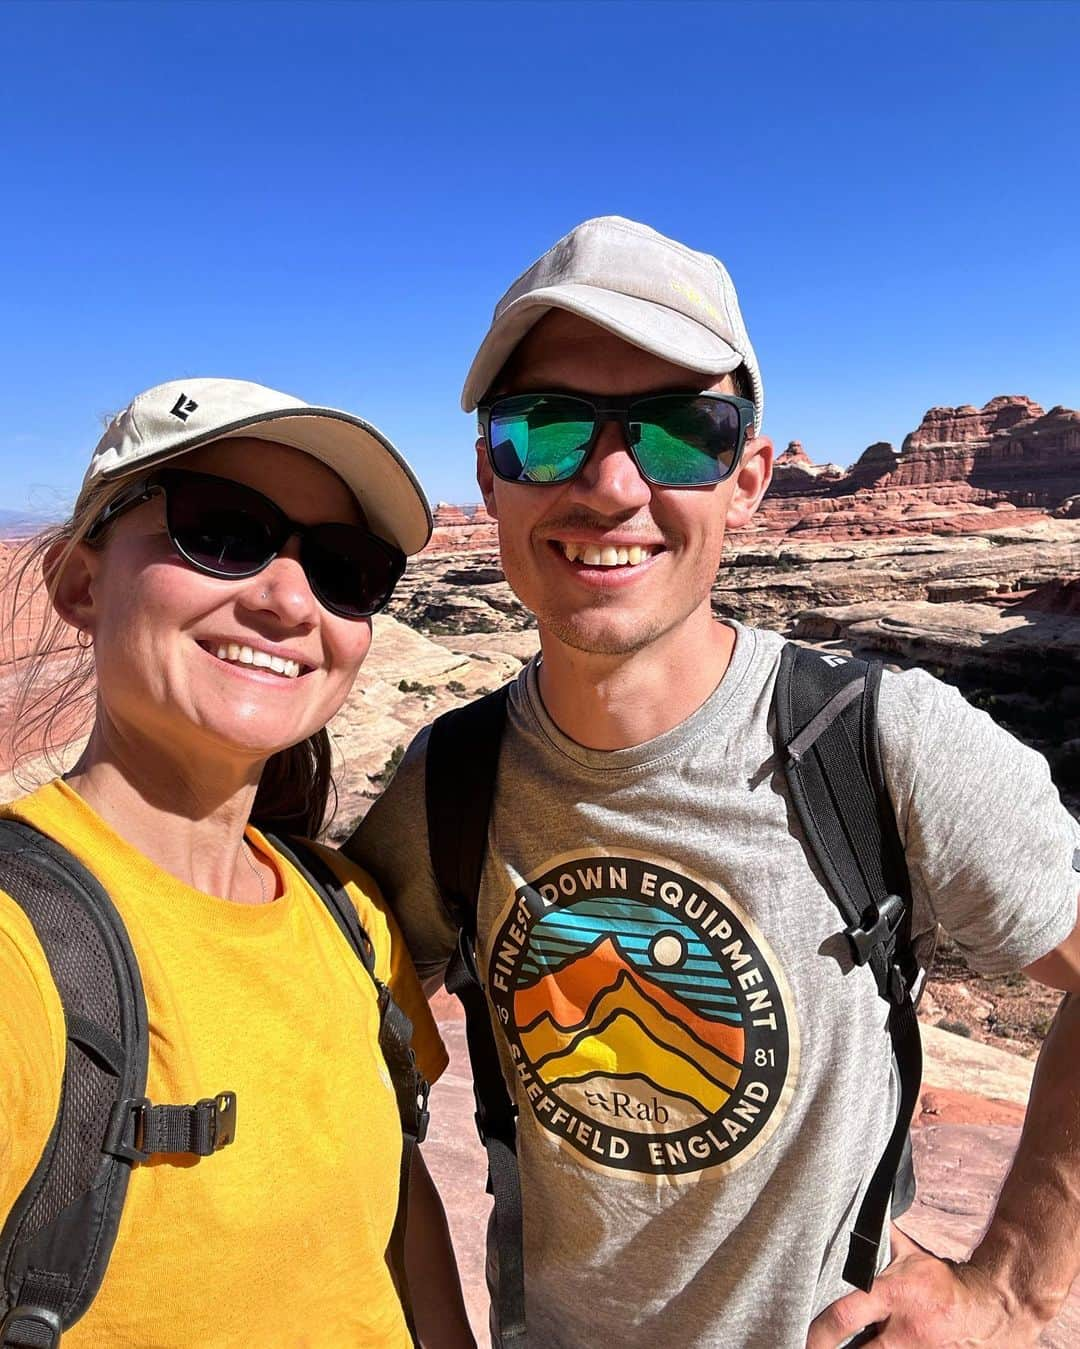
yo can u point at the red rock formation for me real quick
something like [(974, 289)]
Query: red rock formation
[(467, 528), (954, 473), (1011, 450), (956, 426)]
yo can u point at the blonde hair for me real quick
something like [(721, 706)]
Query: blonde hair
[(52, 709)]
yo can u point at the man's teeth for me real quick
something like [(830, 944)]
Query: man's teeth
[(245, 655), (592, 556)]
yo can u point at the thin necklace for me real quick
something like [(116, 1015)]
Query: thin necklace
[(245, 848)]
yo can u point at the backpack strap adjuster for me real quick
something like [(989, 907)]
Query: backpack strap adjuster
[(127, 1130), (423, 1114), (876, 929), (138, 1130), (28, 1325)]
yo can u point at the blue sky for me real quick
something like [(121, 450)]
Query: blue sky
[(329, 198)]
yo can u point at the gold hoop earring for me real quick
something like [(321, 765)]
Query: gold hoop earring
[(84, 639)]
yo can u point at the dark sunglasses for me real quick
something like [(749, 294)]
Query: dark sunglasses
[(227, 529), (676, 439)]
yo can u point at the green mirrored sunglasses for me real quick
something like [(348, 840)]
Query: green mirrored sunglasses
[(676, 439)]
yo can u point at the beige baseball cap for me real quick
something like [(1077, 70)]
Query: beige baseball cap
[(170, 419), (651, 291)]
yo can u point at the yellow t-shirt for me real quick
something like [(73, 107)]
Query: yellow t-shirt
[(279, 1238)]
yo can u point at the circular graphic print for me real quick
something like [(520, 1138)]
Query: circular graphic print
[(646, 1020)]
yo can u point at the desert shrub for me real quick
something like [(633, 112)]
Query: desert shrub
[(410, 686), (954, 1027), (389, 768)]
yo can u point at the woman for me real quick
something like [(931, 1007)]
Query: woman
[(220, 570)]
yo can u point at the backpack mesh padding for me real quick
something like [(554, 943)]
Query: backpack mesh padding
[(82, 972)]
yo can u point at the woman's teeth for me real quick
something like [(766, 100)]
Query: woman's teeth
[(592, 556), (245, 655)]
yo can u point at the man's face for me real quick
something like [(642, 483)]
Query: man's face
[(613, 610)]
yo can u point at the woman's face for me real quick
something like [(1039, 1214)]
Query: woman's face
[(159, 625)]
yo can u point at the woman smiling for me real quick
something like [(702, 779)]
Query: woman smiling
[(220, 570)]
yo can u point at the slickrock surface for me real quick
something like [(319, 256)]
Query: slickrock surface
[(1006, 637)]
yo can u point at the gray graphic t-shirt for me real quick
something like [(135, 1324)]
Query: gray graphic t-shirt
[(703, 1077)]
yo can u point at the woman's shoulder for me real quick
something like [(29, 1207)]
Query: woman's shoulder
[(393, 964), (367, 899)]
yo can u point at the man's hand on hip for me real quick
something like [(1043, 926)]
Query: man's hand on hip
[(922, 1302)]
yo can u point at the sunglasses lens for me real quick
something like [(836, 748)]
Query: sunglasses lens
[(228, 529), (351, 571), (539, 439), (685, 442), (219, 525)]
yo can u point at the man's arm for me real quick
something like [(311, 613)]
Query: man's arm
[(391, 843), (1017, 1277), (434, 1282)]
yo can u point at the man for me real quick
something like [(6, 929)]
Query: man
[(703, 1077)]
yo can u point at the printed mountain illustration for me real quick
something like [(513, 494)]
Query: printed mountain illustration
[(599, 1015)]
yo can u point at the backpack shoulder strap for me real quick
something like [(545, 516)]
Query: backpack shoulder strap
[(411, 1089), (826, 722), (825, 710), (461, 767), (56, 1242), (324, 880), (395, 1029)]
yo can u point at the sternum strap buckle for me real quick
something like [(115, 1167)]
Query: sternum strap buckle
[(138, 1130)]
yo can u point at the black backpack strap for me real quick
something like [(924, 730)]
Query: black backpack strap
[(461, 766), (826, 731), (411, 1089), (56, 1242)]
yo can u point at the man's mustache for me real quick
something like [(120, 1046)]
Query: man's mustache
[(592, 522)]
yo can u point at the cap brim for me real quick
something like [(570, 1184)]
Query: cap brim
[(382, 482), (643, 323)]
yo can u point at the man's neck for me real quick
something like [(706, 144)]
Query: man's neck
[(616, 701)]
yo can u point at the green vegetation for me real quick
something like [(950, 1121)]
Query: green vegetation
[(389, 768), (410, 686)]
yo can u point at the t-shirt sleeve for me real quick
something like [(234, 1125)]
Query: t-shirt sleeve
[(391, 843), (393, 964), (992, 851), (32, 1047)]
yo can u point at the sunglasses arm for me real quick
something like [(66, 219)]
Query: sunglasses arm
[(125, 500)]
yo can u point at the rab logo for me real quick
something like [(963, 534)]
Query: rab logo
[(183, 407), (647, 1020)]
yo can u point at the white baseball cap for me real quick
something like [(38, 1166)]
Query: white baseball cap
[(170, 419), (651, 291)]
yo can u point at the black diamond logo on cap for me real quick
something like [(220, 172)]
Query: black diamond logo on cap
[(183, 407)]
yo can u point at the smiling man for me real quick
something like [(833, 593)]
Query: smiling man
[(701, 1068)]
